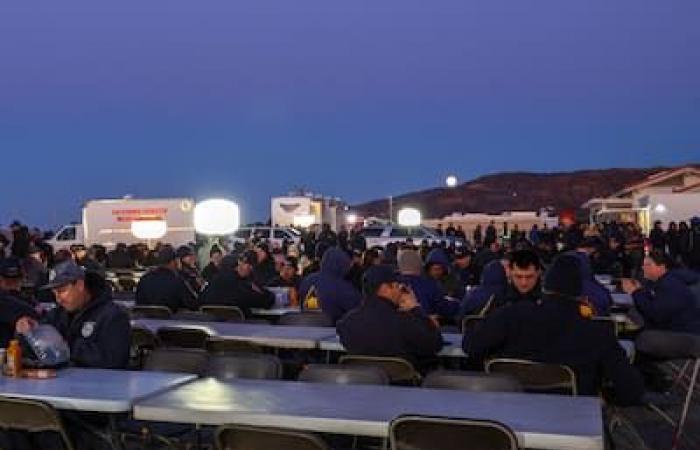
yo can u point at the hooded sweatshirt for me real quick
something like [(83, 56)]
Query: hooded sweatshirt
[(493, 284), (336, 295)]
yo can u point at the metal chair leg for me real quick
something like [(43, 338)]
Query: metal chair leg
[(686, 406)]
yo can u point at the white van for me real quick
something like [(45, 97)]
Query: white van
[(109, 222)]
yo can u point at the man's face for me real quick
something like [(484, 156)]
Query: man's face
[(188, 261), (260, 254), (72, 296), (463, 262), (652, 271), (436, 271), (216, 258), (244, 269), (524, 279), (287, 272), (391, 291)]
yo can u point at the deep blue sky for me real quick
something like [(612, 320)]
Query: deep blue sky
[(358, 99)]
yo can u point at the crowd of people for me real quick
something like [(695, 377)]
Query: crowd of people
[(535, 294)]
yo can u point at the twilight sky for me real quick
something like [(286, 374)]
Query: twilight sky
[(360, 99)]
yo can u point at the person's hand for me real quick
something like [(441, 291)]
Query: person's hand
[(25, 324), (629, 285), (408, 299)]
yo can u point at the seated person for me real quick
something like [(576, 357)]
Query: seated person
[(288, 278), (211, 269), (494, 283), (12, 306), (336, 295), (557, 330), (464, 266), (163, 286), (234, 285), (390, 321), (598, 296), (665, 301), (437, 267), (525, 271), (427, 290), (97, 330)]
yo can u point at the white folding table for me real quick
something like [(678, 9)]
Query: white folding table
[(539, 421), (296, 337), (96, 390)]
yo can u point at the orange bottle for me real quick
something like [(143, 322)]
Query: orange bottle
[(14, 359)]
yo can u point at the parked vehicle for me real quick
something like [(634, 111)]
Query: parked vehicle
[(109, 222), (380, 236)]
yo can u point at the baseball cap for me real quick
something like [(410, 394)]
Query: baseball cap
[(64, 273), (377, 275)]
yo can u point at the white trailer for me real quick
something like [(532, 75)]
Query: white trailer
[(109, 222)]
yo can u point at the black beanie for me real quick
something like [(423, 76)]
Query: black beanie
[(564, 276)]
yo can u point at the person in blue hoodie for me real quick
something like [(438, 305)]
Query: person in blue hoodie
[(437, 267), (599, 297), (494, 283), (335, 294), (665, 301), (427, 290)]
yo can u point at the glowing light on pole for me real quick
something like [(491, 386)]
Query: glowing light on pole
[(216, 217), (451, 181), (409, 217)]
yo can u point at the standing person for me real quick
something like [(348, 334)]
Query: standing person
[(478, 237), (211, 269), (357, 240), (343, 237), (328, 236), (460, 234), (491, 234), (390, 322), (684, 242), (534, 235), (658, 237), (673, 242), (451, 231)]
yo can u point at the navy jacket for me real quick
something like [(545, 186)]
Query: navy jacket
[(596, 293), (228, 288), (430, 296), (493, 284), (553, 331), (336, 295), (98, 336), (668, 304), (378, 328), (450, 284), (164, 287), (11, 310)]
